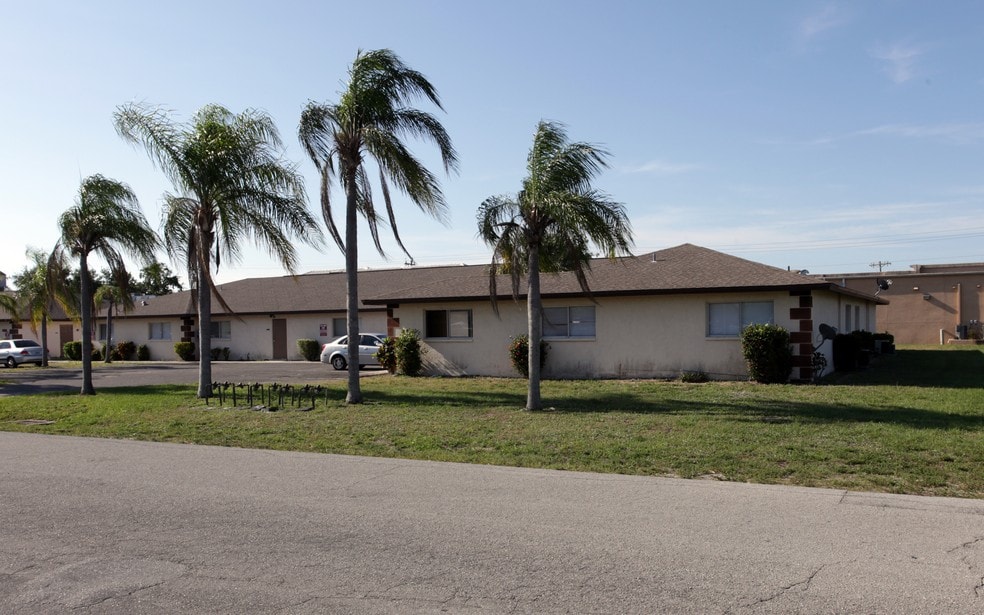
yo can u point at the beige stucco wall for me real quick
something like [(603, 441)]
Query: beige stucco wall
[(636, 337), (251, 337)]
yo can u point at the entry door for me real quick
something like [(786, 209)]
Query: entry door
[(66, 333), (279, 329)]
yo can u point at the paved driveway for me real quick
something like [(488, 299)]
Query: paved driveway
[(109, 526), (61, 377)]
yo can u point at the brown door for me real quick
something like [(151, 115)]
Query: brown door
[(66, 333), (279, 339)]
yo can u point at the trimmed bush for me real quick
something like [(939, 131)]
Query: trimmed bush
[(97, 354), (767, 353), (123, 351), (386, 355), (143, 353), (409, 353), (185, 350), (72, 351), (309, 349), (519, 354)]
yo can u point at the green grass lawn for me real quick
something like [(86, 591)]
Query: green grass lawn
[(911, 423)]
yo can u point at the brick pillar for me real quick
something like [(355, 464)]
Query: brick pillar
[(187, 329), (801, 337)]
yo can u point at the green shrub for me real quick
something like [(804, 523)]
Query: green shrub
[(695, 376), (767, 353), (386, 355), (519, 354), (847, 351), (143, 353), (185, 350), (72, 351), (124, 351), (409, 353), (309, 349), (215, 353), (866, 339), (226, 353), (97, 354)]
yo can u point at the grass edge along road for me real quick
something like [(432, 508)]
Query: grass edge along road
[(911, 423)]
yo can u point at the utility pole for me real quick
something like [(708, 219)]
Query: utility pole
[(879, 264)]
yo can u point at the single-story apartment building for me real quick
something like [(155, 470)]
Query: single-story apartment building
[(649, 316), (928, 304)]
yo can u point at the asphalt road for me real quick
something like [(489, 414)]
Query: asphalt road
[(106, 526), (60, 377)]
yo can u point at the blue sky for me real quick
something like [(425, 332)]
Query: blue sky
[(817, 135)]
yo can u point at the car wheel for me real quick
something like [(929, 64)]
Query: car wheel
[(338, 362), (11, 362)]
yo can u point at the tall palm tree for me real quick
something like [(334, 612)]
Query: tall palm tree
[(232, 186), (370, 119), (40, 286), (106, 221), (550, 225)]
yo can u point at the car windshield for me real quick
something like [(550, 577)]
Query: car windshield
[(25, 343)]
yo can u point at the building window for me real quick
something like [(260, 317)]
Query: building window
[(101, 333), (159, 331), (847, 319), (728, 319), (448, 323), (221, 329), (339, 326), (578, 321)]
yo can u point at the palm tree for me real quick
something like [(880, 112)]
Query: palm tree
[(106, 219), (371, 118), (40, 286), (549, 227), (114, 293), (232, 186)]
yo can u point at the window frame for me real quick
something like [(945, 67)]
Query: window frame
[(743, 320), (449, 323), (223, 326), (161, 326), (569, 322)]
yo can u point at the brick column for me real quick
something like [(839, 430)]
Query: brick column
[(801, 337)]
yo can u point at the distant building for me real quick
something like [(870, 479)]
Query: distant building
[(927, 304)]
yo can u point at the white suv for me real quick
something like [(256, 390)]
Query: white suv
[(15, 352)]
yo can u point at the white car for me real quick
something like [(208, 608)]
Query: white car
[(335, 352), (15, 352)]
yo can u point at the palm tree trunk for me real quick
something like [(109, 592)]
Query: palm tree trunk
[(204, 338), (44, 340), (354, 395), (535, 325), (108, 346), (85, 307)]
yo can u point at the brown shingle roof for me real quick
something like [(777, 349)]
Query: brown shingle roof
[(683, 269)]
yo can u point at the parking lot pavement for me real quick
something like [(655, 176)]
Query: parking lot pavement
[(114, 526), (67, 377)]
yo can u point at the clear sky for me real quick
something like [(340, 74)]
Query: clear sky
[(816, 135)]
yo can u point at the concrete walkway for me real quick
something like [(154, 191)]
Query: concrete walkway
[(101, 526)]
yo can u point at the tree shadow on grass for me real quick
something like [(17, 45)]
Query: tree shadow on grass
[(954, 369), (754, 409)]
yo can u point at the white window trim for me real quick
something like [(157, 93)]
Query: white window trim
[(451, 338), (741, 318), (569, 337)]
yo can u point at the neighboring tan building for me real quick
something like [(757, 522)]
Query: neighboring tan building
[(927, 304)]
